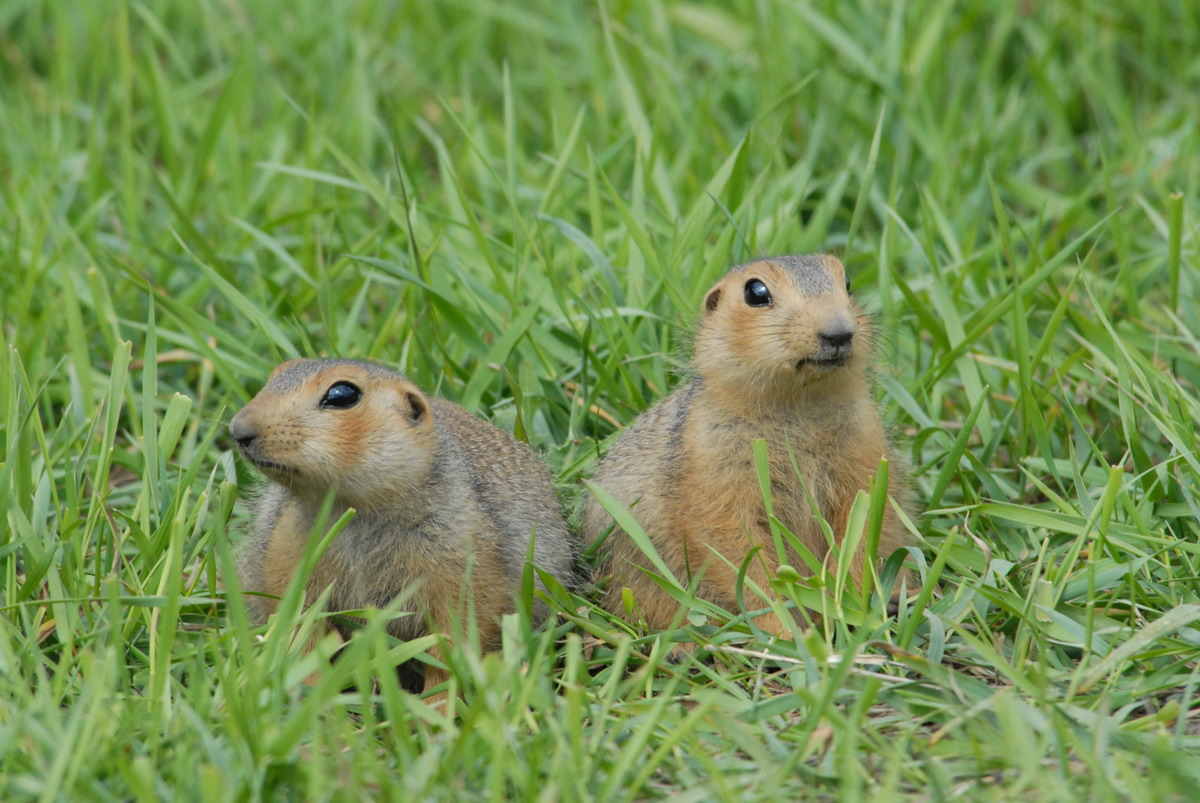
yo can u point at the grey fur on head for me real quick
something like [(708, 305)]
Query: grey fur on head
[(808, 272)]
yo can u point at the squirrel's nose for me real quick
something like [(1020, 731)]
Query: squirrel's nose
[(836, 337), (242, 431)]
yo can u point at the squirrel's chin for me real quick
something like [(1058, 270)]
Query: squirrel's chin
[(824, 376)]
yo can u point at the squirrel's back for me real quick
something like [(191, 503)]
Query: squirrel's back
[(511, 486)]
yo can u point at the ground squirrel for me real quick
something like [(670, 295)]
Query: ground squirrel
[(781, 354), (433, 488)]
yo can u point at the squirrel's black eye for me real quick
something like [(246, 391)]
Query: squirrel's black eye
[(847, 285), (757, 294), (341, 396)]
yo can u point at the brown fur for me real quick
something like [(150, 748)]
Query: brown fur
[(437, 492), (686, 467)]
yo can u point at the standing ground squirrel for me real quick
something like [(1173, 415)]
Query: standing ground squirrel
[(434, 488), (781, 354)]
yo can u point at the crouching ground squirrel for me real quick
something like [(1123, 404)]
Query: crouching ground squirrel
[(781, 354), (435, 490)]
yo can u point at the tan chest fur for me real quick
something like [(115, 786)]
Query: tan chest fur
[(722, 504)]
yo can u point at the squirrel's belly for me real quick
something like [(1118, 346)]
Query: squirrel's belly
[(725, 500)]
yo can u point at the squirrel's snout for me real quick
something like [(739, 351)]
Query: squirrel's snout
[(835, 346), (836, 338), (242, 432)]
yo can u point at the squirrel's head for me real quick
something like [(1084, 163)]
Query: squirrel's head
[(776, 325), (358, 429)]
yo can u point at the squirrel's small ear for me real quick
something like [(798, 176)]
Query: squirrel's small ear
[(417, 406), (712, 299)]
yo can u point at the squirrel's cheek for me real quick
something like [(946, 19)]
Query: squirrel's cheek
[(344, 451)]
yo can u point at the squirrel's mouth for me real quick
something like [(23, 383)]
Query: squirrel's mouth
[(823, 363), (269, 467)]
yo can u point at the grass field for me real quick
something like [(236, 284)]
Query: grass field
[(521, 205)]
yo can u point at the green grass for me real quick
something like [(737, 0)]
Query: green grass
[(521, 206)]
